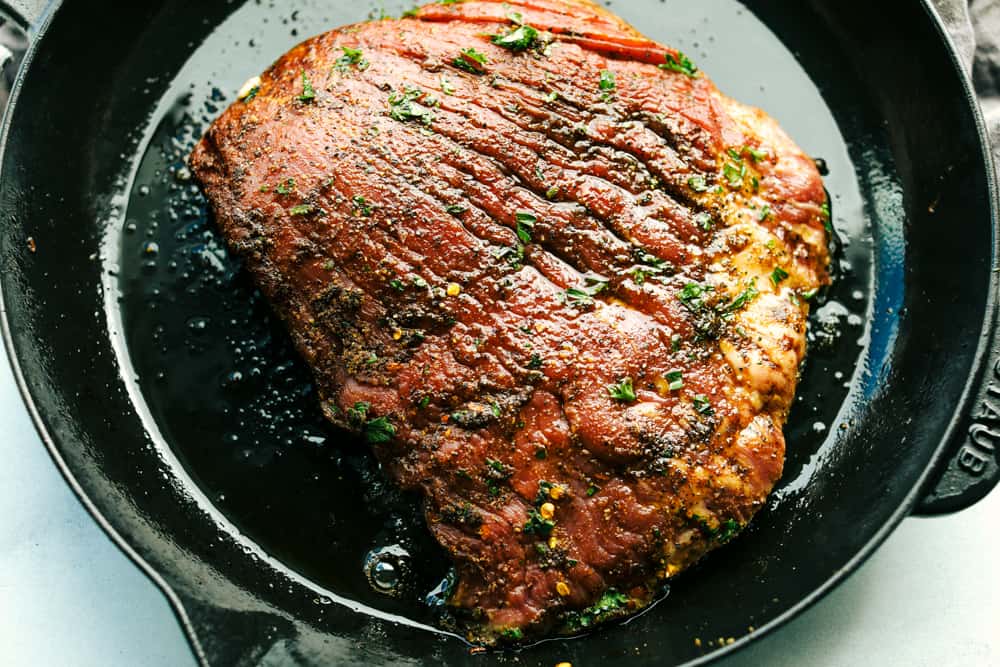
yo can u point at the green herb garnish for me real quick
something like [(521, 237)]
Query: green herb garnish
[(778, 276), (302, 209), (308, 92), (513, 634), (351, 57), (758, 156), (537, 525), (379, 431), (471, 61), (676, 380), (611, 604), (734, 174), (693, 296), (702, 405), (362, 207), (623, 391), (583, 297), (745, 297), (680, 63), (406, 106), (698, 184), (520, 39), (525, 225), (607, 84)]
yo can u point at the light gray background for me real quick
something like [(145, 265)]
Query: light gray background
[(930, 596)]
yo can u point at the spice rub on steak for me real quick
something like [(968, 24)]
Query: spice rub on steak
[(556, 278)]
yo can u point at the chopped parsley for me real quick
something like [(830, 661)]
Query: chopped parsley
[(535, 362), (680, 63), (541, 453), (623, 391), (286, 188), (758, 156), (457, 209), (744, 298), (698, 184), (778, 276), (525, 224), (704, 220), (471, 61), (583, 297), (765, 213), (498, 467), (592, 490), (552, 192), (513, 634), (308, 92), (379, 430), (397, 285), (611, 604), (362, 207), (675, 343), (424, 402), (446, 86), (728, 530), (521, 38), (702, 405), (302, 209), (406, 106), (607, 84), (351, 57), (359, 412), (693, 296), (538, 525), (734, 173), (513, 256), (376, 431), (676, 380)]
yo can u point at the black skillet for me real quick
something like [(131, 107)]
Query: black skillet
[(178, 412)]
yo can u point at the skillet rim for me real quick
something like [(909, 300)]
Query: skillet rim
[(904, 510)]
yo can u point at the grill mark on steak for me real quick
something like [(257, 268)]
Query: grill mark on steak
[(494, 383)]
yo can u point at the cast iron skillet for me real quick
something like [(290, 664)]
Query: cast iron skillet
[(134, 358)]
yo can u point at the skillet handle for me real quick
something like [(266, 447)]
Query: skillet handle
[(970, 467)]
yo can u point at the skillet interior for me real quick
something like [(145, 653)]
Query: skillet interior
[(908, 128)]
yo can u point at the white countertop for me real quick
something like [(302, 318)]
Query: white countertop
[(930, 596)]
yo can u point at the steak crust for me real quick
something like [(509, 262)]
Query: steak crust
[(560, 282)]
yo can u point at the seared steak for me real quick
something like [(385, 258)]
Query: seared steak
[(555, 277)]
